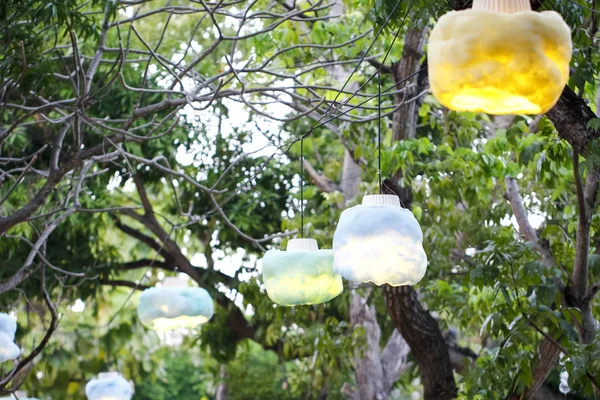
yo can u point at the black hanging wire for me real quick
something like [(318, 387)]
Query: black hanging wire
[(321, 122), (302, 187), (379, 129)]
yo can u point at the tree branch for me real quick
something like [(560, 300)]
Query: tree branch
[(322, 182), (570, 116), (586, 199), (134, 233), (518, 208), (123, 283)]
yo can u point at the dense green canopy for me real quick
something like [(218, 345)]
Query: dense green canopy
[(143, 139)]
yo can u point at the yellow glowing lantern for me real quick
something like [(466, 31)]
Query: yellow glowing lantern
[(380, 242), (499, 58), (109, 386), (301, 275), (174, 305)]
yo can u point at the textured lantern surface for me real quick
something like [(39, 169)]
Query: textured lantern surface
[(175, 305), (301, 275), (109, 386), (381, 242), (8, 349), (499, 58)]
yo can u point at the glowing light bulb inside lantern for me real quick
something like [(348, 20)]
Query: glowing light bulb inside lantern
[(175, 305), (380, 242), (109, 386), (499, 58), (302, 274)]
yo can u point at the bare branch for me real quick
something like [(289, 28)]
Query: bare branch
[(516, 203), (119, 282), (586, 200), (322, 182)]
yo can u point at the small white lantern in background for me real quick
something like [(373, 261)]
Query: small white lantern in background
[(175, 305), (109, 386), (20, 395), (380, 242), (8, 349), (301, 275)]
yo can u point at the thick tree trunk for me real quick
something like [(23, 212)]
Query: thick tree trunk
[(376, 369), (222, 392), (404, 122), (570, 116), (428, 346), (351, 177), (369, 370)]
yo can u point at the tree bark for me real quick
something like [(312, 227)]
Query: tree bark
[(369, 370), (222, 392), (351, 177), (570, 116), (428, 346), (376, 369), (404, 121)]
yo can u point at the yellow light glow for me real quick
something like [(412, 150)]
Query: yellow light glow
[(293, 289), (169, 324), (388, 257), (499, 63), (301, 275)]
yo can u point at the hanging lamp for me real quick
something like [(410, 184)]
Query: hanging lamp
[(499, 58), (8, 349), (109, 386), (174, 305), (302, 274), (380, 242)]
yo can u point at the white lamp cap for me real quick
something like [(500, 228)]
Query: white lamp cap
[(302, 245), (174, 282), (381, 200), (108, 375), (504, 6)]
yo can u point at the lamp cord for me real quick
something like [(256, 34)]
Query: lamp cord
[(379, 129), (302, 187)]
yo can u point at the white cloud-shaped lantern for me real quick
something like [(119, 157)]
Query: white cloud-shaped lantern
[(499, 58), (380, 242), (301, 275), (8, 349), (109, 386), (175, 305)]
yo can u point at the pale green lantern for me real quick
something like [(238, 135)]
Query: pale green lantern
[(301, 275)]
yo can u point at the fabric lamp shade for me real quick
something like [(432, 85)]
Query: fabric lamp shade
[(499, 58), (175, 305), (380, 242), (109, 386), (8, 349), (302, 274)]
